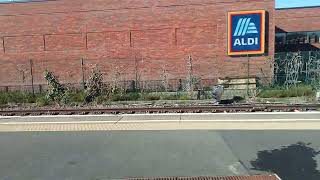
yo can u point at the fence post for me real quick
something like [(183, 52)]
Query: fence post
[(40, 88), (307, 67), (248, 73), (82, 73), (31, 73)]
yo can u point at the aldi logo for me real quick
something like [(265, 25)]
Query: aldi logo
[(246, 32), (244, 26)]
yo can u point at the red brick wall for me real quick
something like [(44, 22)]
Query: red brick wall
[(298, 19), (131, 36), (65, 42), (18, 44)]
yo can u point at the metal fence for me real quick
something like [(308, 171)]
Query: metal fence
[(27, 75), (296, 67), (128, 74)]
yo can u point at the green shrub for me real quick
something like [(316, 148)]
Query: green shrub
[(207, 88), (176, 97), (281, 92), (94, 86), (42, 101), (170, 97), (17, 97), (126, 97), (57, 92), (102, 99), (185, 97), (30, 98), (78, 96), (3, 98), (151, 97)]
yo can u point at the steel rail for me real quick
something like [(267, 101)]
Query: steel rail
[(178, 109)]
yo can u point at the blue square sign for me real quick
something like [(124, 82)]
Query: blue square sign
[(246, 32)]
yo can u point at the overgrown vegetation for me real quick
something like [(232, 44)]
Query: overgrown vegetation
[(42, 100), (282, 92), (126, 97), (17, 97), (57, 92), (179, 96), (149, 97), (94, 86), (290, 71), (79, 97), (95, 91)]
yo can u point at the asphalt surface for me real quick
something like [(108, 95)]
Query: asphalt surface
[(118, 154)]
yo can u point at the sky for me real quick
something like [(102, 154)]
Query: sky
[(279, 3), (296, 3)]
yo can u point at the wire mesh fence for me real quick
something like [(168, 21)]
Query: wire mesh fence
[(296, 67), (130, 74)]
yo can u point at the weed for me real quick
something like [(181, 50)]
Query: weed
[(95, 86), (151, 97), (169, 97), (77, 96), (57, 92), (292, 91), (42, 101), (102, 99), (126, 97), (175, 97), (18, 97), (184, 97)]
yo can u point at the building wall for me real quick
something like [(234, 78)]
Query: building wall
[(298, 19), (125, 38)]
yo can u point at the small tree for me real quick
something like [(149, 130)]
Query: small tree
[(94, 85), (57, 92), (165, 78), (190, 79), (115, 84)]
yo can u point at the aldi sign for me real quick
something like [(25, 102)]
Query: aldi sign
[(246, 32)]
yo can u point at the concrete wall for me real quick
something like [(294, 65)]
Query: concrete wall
[(130, 36)]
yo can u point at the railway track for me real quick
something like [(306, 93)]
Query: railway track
[(150, 110)]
